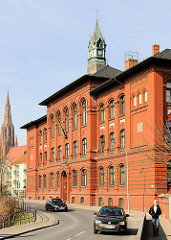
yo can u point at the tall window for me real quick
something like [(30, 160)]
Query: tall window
[(100, 201), (75, 148), (140, 98), (45, 158), (45, 132), (102, 113), (67, 151), (112, 176), (45, 181), (84, 177), (122, 175), (59, 152), (121, 202), (145, 96), (74, 178), (122, 139), (122, 104), (59, 124), (110, 202), (102, 143), (53, 127), (112, 141), (58, 179), (52, 154), (112, 109), (52, 180), (169, 173), (168, 92), (40, 181), (84, 111), (135, 100), (67, 120), (84, 143), (40, 159), (101, 176), (75, 120), (40, 137)]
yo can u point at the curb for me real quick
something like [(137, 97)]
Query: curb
[(141, 227), (31, 230)]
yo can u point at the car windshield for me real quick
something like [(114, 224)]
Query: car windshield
[(110, 211), (57, 201)]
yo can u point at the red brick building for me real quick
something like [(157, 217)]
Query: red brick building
[(77, 151)]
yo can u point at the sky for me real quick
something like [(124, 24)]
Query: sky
[(43, 45)]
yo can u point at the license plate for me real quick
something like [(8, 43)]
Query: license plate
[(109, 226)]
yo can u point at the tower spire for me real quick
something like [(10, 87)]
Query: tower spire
[(96, 50), (7, 115)]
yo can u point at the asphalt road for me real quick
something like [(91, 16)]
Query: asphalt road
[(76, 224)]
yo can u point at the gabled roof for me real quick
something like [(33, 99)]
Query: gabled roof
[(17, 155), (163, 58), (35, 122), (107, 71)]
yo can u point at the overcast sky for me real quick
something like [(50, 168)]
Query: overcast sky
[(43, 45)]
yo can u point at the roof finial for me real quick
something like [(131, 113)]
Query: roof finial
[(97, 15)]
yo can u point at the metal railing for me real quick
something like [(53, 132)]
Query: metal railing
[(23, 215)]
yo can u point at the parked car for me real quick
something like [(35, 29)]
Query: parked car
[(56, 204), (110, 219)]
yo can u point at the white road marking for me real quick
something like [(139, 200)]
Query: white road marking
[(78, 234)]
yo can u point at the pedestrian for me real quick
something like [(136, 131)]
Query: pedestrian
[(155, 212)]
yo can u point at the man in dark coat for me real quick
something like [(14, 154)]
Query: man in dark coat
[(155, 212)]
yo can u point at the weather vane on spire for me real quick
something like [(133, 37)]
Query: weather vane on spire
[(97, 11)]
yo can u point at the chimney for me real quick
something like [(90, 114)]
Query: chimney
[(155, 49), (131, 59)]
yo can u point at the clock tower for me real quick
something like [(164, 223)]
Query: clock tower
[(96, 51)]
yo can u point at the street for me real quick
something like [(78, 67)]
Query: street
[(75, 224)]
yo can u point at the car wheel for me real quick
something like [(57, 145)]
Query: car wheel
[(46, 209), (66, 209), (95, 231), (52, 209)]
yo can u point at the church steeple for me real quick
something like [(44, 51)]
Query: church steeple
[(7, 129), (96, 51)]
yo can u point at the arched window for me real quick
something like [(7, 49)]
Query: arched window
[(169, 173), (58, 179), (122, 175), (121, 202), (74, 178), (100, 201), (101, 176), (84, 178), (73, 199), (110, 202), (122, 99), (59, 124), (45, 132), (112, 141), (40, 181), (84, 144), (145, 96), (59, 152), (75, 120), (45, 158), (5, 133), (67, 151), (52, 180), (135, 100), (102, 143), (140, 98), (53, 127), (67, 120), (122, 139), (84, 112), (75, 148), (102, 113), (45, 181), (40, 159), (112, 109), (112, 176), (82, 200), (41, 137), (52, 154)]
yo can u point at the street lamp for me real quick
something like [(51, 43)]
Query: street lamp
[(127, 174)]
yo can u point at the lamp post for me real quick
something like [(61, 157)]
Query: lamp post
[(127, 174)]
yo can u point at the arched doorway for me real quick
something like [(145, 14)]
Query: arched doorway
[(64, 186)]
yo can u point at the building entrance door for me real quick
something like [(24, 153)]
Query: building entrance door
[(64, 185)]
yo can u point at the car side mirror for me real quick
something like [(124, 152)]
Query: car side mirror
[(127, 215), (95, 213)]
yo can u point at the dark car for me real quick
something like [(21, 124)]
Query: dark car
[(110, 219), (56, 204)]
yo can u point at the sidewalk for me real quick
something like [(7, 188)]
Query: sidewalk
[(164, 229), (44, 220)]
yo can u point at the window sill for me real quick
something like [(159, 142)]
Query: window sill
[(121, 185), (111, 119), (83, 186), (101, 186), (84, 126), (121, 115), (112, 185), (102, 122), (74, 186)]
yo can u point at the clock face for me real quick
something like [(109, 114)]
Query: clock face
[(99, 52)]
